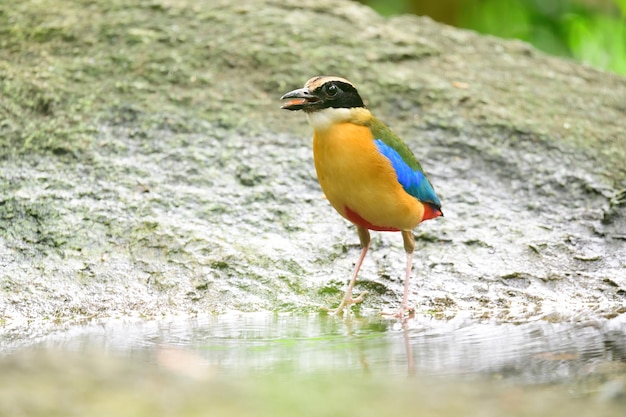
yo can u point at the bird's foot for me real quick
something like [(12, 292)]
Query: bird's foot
[(347, 302), (404, 312)]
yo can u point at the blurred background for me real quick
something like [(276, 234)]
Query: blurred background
[(590, 31)]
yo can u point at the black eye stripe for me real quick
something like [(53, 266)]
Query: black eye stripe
[(343, 96)]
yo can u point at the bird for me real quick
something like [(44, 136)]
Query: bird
[(367, 173)]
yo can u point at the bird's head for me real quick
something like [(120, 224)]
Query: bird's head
[(323, 92)]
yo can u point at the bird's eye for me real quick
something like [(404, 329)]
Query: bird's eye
[(332, 90)]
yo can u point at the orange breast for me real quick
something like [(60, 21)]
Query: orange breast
[(360, 182)]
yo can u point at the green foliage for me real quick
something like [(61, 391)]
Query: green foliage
[(505, 18), (598, 40), (527, 20), (591, 32), (389, 7)]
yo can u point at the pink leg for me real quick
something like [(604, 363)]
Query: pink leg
[(409, 247), (364, 237)]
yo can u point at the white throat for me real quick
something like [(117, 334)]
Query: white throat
[(324, 119)]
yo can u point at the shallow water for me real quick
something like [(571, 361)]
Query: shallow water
[(317, 365), (533, 352)]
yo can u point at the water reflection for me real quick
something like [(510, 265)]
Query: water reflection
[(535, 352)]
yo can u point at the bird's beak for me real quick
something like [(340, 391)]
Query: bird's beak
[(300, 99)]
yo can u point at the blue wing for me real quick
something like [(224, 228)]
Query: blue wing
[(413, 181)]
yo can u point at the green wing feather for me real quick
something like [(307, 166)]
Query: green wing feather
[(408, 170), (382, 132)]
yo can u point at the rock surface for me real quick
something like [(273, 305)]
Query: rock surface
[(147, 168)]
